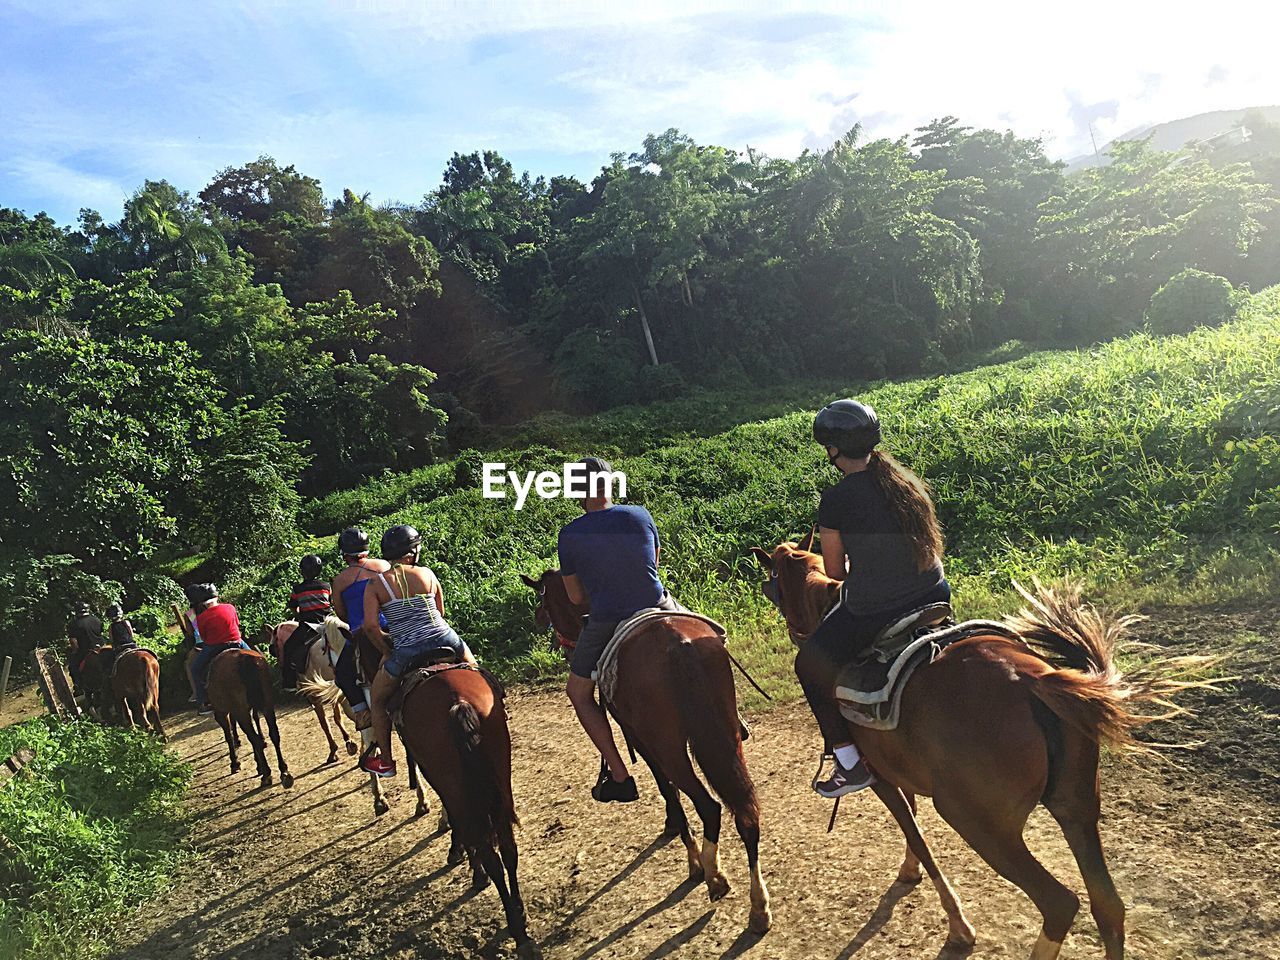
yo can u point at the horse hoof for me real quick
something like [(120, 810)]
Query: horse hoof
[(352, 749), (528, 950), (909, 878), (266, 779), (456, 856), (286, 780), (962, 936), (717, 888), (380, 807), (479, 880), (333, 758), (235, 768), (671, 830), (760, 921), (420, 810)]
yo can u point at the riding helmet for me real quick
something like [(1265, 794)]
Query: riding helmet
[(311, 567), (848, 425), (352, 542), (81, 609), (400, 540), (200, 592), (115, 612)]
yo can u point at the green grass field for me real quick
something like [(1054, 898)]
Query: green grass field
[(1148, 467)]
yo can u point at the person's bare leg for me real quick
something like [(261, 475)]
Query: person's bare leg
[(596, 723), (383, 686)]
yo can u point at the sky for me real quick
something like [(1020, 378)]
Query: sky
[(375, 95)]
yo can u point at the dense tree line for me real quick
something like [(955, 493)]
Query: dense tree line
[(181, 375)]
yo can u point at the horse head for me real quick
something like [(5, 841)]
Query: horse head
[(796, 584), (555, 609)]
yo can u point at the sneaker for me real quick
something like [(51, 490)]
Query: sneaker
[(743, 730), (844, 781), (378, 767), (611, 791), (191, 699), (205, 711)]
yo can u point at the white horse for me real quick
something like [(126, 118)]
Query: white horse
[(316, 680)]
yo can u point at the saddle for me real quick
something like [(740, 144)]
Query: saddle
[(869, 690), (423, 668), (122, 653), (606, 672)]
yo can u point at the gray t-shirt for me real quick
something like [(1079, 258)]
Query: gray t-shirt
[(883, 576)]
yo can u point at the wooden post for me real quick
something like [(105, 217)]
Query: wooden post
[(4, 681), (55, 686)]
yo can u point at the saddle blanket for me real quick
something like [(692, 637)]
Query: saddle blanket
[(869, 690), (606, 673), (416, 677)]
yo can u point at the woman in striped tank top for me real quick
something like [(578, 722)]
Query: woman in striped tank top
[(411, 600)]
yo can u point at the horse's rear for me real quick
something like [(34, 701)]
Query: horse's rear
[(455, 726), (675, 694), (136, 684), (240, 694)]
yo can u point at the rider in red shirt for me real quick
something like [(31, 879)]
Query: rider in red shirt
[(219, 629)]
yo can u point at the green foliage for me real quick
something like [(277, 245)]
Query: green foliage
[(39, 592), (1191, 299), (91, 829)]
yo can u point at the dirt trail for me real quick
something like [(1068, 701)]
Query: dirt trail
[(310, 873)]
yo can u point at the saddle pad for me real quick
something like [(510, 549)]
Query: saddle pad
[(606, 674), (415, 678), (869, 691), (336, 634)]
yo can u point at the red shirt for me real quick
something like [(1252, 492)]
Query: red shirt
[(219, 624)]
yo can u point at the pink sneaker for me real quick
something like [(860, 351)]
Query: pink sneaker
[(378, 767)]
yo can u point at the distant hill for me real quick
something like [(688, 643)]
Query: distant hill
[(1174, 134)]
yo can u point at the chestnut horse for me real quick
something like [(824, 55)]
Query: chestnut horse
[(318, 668), (136, 684), (674, 694), (240, 694), (455, 726), (990, 729)]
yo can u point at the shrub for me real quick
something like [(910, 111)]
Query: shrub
[(1190, 299)]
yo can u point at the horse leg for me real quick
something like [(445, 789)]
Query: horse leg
[(1075, 804), (224, 721), (910, 871), (415, 784), (286, 778), (748, 825), (126, 716), (960, 929), (154, 715), (328, 734), (512, 903), (259, 748), (346, 737), (998, 840)]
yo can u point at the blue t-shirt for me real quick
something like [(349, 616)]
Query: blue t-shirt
[(614, 553)]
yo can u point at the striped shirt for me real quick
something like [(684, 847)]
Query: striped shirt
[(412, 621), (310, 600)]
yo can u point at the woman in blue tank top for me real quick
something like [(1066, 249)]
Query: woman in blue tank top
[(348, 603)]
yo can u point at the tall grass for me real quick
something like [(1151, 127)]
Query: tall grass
[(90, 828), (1146, 467)]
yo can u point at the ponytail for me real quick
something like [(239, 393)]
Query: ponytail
[(909, 500)]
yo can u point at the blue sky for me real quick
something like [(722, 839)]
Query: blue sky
[(376, 94)]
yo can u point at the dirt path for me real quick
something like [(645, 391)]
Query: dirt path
[(309, 873)]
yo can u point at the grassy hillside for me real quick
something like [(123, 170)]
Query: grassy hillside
[(1149, 467)]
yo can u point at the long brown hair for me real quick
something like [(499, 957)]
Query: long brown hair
[(911, 504)]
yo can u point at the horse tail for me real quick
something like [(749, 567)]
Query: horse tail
[(319, 690), (484, 808), (709, 712), (252, 674), (1087, 691)]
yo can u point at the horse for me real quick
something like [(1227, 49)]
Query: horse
[(569, 615), (94, 683), (675, 693), (318, 667), (318, 687), (990, 729), (240, 694), (455, 722), (135, 681)]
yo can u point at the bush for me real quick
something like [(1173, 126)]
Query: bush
[(1191, 299), (92, 828), (38, 596), (598, 368)]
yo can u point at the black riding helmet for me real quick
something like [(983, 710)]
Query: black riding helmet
[(80, 609), (115, 611), (311, 567), (848, 425), (400, 540), (352, 542), (200, 592)]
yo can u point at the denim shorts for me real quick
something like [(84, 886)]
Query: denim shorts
[(404, 655)]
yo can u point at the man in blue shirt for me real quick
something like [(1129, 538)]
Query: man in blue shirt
[(609, 562)]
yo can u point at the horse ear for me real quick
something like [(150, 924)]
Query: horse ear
[(531, 583), (807, 544), (765, 559)]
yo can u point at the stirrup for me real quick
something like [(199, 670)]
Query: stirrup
[(822, 763)]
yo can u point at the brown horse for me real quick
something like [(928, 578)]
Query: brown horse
[(455, 726), (556, 610), (317, 669), (94, 683), (989, 730), (675, 693), (135, 682), (240, 694)]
